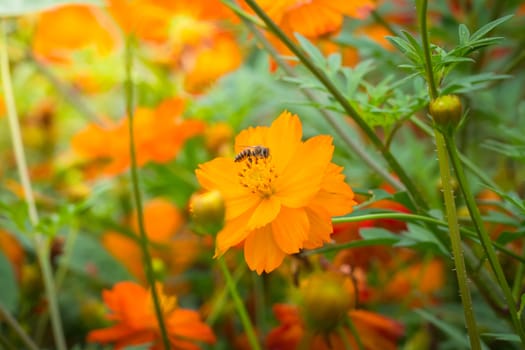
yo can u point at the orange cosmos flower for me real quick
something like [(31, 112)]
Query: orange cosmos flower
[(375, 331), (279, 198), (132, 309), (73, 27), (314, 18), (159, 135), (174, 246)]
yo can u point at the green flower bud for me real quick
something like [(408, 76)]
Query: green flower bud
[(446, 111), (207, 212), (326, 299)]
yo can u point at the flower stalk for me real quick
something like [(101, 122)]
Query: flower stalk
[(448, 191), (150, 274), (241, 310), (486, 242), (41, 242)]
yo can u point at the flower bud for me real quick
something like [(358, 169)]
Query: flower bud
[(326, 297), (207, 212), (446, 111)]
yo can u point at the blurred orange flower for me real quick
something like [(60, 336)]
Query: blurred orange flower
[(314, 18), (13, 251), (280, 203), (62, 30), (132, 309), (159, 135), (375, 331), (208, 62), (184, 35), (175, 247)]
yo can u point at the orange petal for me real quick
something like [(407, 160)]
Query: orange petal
[(221, 174), (320, 227), (301, 180), (290, 229), (251, 137), (261, 252), (265, 212), (232, 234), (284, 137)]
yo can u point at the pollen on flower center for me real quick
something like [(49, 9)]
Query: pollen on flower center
[(258, 175)]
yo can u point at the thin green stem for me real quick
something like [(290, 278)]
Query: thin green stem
[(344, 338), (6, 316), (239, 305), (150, 275), (406, 217), (518, 278), (455, 240), (422, 18), (341, 99), (220, 300), (486, 242), (355, 333), (41, 242)]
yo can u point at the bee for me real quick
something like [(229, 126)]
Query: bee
[(252, 151)]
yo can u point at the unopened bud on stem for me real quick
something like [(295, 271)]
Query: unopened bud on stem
[(446, 111)]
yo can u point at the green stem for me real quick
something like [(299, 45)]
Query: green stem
[(355, 333), (41, 242), (341, 99), (429, 69), (455, 240), (344, 338), (406, 217), (448, 192), (239, 305), (6, 316), (220, 300), (518, 278), (486, 242), (137, 194)]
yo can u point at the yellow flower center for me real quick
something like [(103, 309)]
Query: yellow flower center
[(258, 175)]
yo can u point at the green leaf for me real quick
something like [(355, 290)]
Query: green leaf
[(378, 235), (464, 34), (21, 7), (417, 236), (503, 336), (311, 50), (90, 258), (481, 32), (458, 336), (9, 289)]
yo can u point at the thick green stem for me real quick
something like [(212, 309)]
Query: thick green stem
[(486, 242), (137, 195), (41, 242), (239, 305), (455, 240), (448, 192), (341, 99)]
